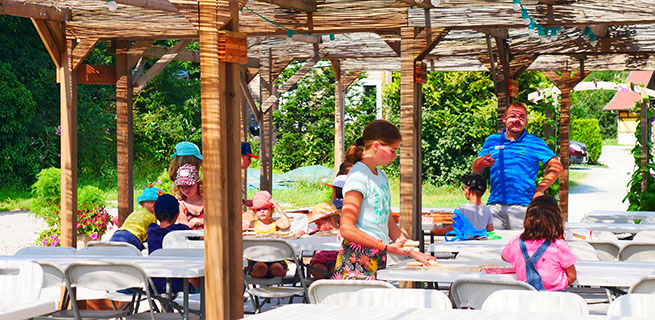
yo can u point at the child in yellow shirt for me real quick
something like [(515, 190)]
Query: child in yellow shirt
[(134, 228)]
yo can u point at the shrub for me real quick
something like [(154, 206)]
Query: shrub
[(46, 195), (90, 195), (587, 131)]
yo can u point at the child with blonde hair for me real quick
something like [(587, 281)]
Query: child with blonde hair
[(188, 190)]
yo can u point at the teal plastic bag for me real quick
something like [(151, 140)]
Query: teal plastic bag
[(463, 229)]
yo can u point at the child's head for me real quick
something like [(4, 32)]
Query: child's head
[(148, 197), (344, 168), (543, 220), (262, 205), (378, 133), (166, 208), (246, 155), (185, 152), (475, 183), (187, 182), (325, 216)]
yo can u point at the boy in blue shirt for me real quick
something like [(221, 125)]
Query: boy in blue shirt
[(166, 210)]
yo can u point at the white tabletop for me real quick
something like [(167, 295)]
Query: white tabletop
[(458, 246), (154, 266), (310, 243), (590, 273), (25, 309), (611, 227), (322, 311)]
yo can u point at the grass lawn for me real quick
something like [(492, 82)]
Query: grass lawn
[(304, 195)]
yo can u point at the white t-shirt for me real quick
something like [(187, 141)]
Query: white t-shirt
[(374, 212), (478, 216)]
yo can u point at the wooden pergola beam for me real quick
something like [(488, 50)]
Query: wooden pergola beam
[(34, 10), (309, 64), (51, 40), (245, 89), (137, 51), (82, 50), (298, 5), (350, 78), (169, 56)]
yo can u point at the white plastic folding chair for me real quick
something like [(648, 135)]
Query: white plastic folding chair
[(644, 236), (107, 276), (120, 250), (638, 251), (582, 250), (474, 254), (270, 250), (471, 293), (644, 285), (20, 280), (181, 239), (633, 305), (406, 298), (49, 251), (606, 250), (560, 303), (338, 292)]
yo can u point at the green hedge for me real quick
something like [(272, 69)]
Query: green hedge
[(587, 131)]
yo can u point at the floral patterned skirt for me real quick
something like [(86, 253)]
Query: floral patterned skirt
[(357, 262)]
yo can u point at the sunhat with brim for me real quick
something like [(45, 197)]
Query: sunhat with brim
[(187, 175), (186, 148), (246, 151), (149, 194), (322, 210), (261, 199)]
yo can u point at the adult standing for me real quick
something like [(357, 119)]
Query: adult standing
[(513, 157)]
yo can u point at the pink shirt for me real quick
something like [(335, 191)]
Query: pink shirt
[(551, 266)]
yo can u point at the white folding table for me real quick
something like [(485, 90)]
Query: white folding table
[(25, 309), (590, 273), (329, 312), (612, 216), (611, 227), (154, 266)]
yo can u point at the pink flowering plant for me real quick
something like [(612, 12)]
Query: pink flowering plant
[(92, 221)]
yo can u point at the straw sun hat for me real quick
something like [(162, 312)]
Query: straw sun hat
[(322, 210)]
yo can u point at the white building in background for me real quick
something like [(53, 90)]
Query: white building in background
[(376, 80)]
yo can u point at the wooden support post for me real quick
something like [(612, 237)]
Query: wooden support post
[(339, 115), (124, 133), (564, 134), (220, 124), (410, 128), (266, 127), (643, 124), (68, 160), (502, 75), (243, 132)]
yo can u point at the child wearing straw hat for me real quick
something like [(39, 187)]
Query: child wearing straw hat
[(325, 215)]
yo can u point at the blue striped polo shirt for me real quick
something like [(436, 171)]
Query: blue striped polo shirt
[(513, 176)]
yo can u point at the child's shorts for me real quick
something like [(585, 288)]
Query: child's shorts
[(126, 236), (251, 263)]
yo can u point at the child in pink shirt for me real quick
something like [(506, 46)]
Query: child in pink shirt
[(540, 254)]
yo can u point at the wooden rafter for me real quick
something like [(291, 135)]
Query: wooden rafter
[(251, 101), (350, 78), (82, 50), (50, 39), (34, 11), (159, 65), (435, 36), (136, 51), (298, 5), (226, 10), (309, 64)]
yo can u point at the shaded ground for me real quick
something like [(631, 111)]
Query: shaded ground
[(602, 188)]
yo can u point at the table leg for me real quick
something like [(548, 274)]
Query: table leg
[(202, 298), (186, 298)]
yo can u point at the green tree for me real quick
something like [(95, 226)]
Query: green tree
[(459, 112)]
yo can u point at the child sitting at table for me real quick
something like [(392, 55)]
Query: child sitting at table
[(337, 184), (540, 254), (134, 228), (166, 210), (262, 206), (475, 211), (326, 216)]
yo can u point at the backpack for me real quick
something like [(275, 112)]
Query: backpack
[(463, 229)]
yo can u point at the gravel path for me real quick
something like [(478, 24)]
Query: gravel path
[(603, 188)]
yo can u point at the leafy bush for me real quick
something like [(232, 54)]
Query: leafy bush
[(46, 195), (90, 195), (587, 131)]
